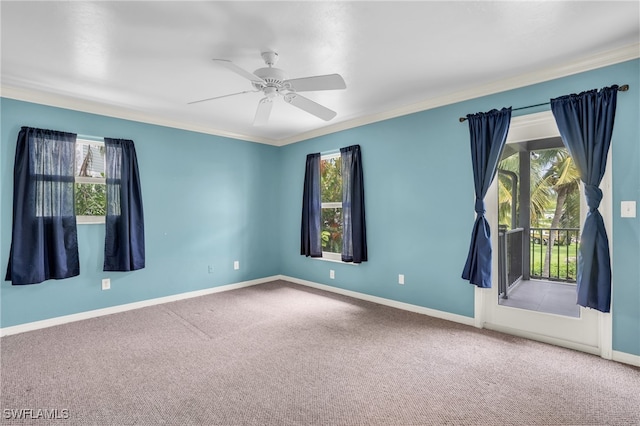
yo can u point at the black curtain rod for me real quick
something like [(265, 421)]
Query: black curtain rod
[(622, 88)]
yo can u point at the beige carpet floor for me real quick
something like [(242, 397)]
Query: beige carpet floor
[(283, 354)]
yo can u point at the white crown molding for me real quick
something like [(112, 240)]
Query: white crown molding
[(611, 57), (68, 102), (600, 60)]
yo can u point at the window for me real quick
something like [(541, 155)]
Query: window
[(57, 175), (333, 218), (331, 203), (90, 183)]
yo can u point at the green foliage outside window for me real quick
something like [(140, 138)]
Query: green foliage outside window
[(91, 199), (554, 203), (331, 180), (332, 230), (331, 192)]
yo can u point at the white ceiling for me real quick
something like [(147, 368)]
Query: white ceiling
[(147, 60)]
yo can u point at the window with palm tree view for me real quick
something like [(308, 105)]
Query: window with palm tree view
[(553, 210)]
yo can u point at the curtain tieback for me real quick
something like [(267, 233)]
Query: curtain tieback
[(593, 194), (480, 209)]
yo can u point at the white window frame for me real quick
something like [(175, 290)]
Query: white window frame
[(327, 255), (83, 219)]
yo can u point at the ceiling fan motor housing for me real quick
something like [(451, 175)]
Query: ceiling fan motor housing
[(273, 77)]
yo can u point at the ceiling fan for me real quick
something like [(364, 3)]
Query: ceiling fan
[(273, 82)]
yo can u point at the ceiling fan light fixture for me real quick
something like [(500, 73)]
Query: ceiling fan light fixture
[(270, 92)]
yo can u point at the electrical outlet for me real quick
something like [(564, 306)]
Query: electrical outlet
[(332, 273), (106, 284), (627, 209), (401, 279), (211, 269), (236, 264)]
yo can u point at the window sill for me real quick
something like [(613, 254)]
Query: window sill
[(90, 220), (333, 257)]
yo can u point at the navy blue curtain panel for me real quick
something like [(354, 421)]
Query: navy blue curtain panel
[(488, 133), (585, 122), (310, 242), (354, 234), (124, 234), (44, 241)]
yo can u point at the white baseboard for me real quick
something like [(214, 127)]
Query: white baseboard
[(382, 301), (544, 339), (622, 357), (626, 358), (30, 326), (617, 356)]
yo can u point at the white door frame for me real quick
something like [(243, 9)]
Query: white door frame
[(525, 128)]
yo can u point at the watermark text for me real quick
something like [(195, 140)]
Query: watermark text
[(35, 414)]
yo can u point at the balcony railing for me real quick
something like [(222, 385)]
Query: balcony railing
[(510, 249), (563, 257)]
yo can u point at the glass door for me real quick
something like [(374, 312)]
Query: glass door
[(586, 330)]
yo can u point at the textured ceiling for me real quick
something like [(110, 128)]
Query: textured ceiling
[(148, 60)]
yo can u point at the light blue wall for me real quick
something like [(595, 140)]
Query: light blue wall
[(419, 201), (411, 222), (207, 201)]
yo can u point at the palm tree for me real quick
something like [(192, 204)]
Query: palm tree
[(554, 182), (563, 178), (571, 215), (541, 194), (505, 190)]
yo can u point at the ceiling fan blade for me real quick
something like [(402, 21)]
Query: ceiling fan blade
[(310, 106), (223, 96), (233, 67), (319, 82), (263, 112)]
